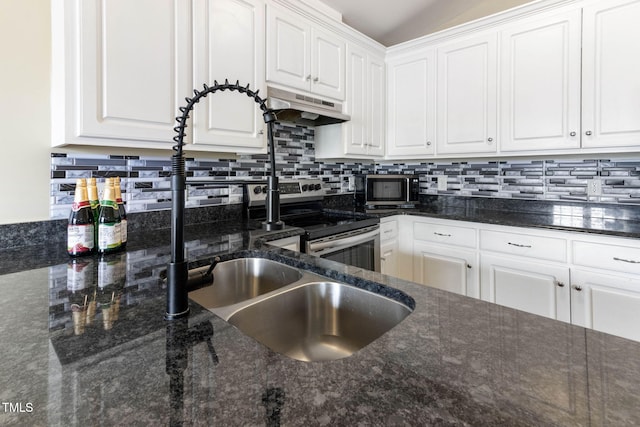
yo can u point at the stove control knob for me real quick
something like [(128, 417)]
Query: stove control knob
[(264, 189), (305, 187), (317, 187), (256, 190)]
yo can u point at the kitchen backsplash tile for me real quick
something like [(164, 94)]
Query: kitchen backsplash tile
[(146, 187)]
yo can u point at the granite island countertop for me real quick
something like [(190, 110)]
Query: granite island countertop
[(453, 361)]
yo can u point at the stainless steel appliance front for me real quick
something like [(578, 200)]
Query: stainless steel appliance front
[(360, 247)]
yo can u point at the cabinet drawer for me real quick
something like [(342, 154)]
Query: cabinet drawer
[(449, 234), (388, 230), (541, 247), (620, 258)]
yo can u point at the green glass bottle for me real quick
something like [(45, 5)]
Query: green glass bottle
[(109, 234), (92, 191), (121, 209), (80, 229)]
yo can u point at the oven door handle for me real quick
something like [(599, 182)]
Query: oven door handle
[(347, 241)]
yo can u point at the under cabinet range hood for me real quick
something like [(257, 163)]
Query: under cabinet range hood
[(303, 109)]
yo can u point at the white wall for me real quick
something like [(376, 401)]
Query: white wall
[(24, 110)]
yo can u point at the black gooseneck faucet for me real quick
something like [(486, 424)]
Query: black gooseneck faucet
[(177, 270)]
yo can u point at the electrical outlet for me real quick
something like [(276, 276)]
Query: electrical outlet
[(352, 183), (442, 183), (594, 187)]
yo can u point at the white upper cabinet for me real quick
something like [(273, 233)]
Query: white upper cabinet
[(467, 96), (115, 80), (228, 44), (411, 105), (610, 70), (304, 56), (540, 83), (363, 136)]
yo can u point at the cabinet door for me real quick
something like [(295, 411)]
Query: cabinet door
[(327, 64), (540, 80), (530, 286), (467, 105), (132, 77), (228, 37), (448, 268), (388, 257), (606, 303), (411, 106), (288, 49), (376, 106), (610, 70), (355, 130)]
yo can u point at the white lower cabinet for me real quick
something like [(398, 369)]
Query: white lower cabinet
[(587, 280), (606, 303), (389, 248), (445, 256), (532, 286), (389, 257), (447, 268)]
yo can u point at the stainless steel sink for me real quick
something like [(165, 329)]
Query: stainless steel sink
[(242, 279), (319, 320)]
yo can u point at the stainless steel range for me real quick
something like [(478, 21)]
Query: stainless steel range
[(348, 237)]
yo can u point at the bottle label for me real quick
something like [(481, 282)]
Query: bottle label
[(109, 236), (80, 239), (109, 203), (123, 230), (76, 206)]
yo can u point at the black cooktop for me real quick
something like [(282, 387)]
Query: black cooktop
[(326, 223)]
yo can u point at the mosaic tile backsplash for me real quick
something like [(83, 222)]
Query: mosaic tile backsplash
[(146, 186)]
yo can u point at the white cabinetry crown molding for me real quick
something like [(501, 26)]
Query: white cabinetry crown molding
[(327, 20), (499, 18)]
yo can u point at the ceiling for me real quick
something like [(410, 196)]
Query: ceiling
[(393, 22)]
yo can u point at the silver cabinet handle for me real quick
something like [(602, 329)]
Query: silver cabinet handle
[(308, 77), (630, 261), (560, 284), (428, 142), (572, 134), (577, 287), (261, 132), (441, 234), (588, 133), (518, 245), (468, 266), (315, 79), (490, 139)]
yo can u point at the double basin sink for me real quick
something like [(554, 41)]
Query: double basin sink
[(295, 312)]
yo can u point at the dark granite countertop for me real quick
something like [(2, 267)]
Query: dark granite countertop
[(453, 361), (605, 219)]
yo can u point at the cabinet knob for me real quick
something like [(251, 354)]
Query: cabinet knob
[(261, 132), (315, 79), (468, 266), (588, 133), (577, 287), (572, 134), (308, 77), (489, 140), (560, 284), (428, 142)]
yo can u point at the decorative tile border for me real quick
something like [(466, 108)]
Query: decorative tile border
[(146, 187)]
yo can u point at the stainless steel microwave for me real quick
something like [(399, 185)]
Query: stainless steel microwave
[(387, 190)]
